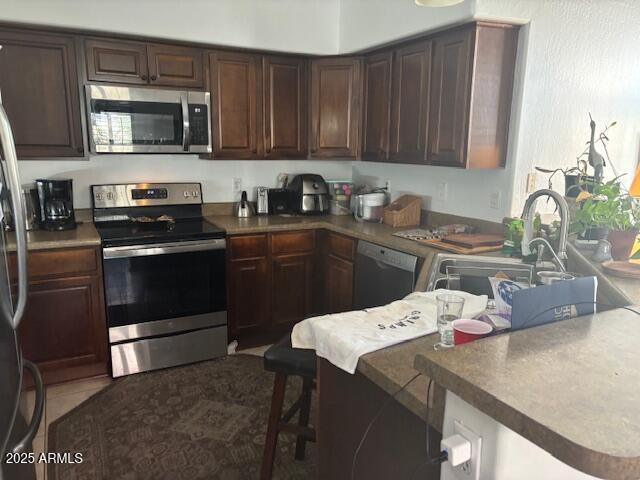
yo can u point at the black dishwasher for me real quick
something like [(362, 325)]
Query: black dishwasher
[(382, 275)]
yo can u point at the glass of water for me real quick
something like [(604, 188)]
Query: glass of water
[(449, 309)]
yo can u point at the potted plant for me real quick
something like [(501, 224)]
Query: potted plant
[(609, 208)]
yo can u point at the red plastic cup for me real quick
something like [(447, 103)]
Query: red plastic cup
[(465, 330)]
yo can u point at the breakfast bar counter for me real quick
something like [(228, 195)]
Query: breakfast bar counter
[(571, 388)]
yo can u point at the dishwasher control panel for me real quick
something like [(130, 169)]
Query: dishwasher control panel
[(388, 256)]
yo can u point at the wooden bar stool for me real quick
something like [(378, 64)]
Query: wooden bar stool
[(284, 360)]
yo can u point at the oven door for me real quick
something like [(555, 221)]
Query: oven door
[(137, 120), (164, 289)]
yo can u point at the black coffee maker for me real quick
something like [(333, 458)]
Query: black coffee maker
[(55, 204)]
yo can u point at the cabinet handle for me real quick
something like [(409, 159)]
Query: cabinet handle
[(153, 78), (143, 77), (255, 150)]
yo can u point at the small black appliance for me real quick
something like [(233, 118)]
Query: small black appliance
[(55, 204)]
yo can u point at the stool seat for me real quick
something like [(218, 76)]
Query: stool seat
[(281, 357)]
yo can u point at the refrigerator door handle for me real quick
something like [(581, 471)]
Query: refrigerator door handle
[(17, 202), (38, 409)]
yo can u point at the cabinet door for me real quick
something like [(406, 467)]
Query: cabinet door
[(115, 61), (291, 289), (335, 107), (339, 284), (39, 88), (64, 324), (248, 291), (235, 86), (174, 66), (450, 93), (377, 106), (285, 107), (412, 74)]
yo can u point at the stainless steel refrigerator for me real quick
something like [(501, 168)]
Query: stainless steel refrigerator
[(17, 428)]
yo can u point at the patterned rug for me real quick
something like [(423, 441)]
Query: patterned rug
[(202, 421)]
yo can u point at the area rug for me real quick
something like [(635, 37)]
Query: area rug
[(202, 421)]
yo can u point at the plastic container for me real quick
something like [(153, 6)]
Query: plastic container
[(340, 197)]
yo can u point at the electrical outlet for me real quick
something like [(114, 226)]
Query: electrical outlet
[(531, 182), (236, 184), (495, 200), (442, 191), (469, 470)]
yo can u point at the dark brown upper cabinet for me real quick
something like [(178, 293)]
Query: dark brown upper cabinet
[(175, 66), (376, 106), (336, 87), (410, 103), (472, 85), (39, 88), (113, 61), (140, 63), (285, 125), (236, 104), (452, 67)]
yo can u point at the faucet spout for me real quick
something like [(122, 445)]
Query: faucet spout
[(528, 215)]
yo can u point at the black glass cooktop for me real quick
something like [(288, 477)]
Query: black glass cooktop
[(136, 233)]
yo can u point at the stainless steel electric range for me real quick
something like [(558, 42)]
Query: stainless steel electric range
[(164, 275)]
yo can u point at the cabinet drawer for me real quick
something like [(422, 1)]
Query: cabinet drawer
[(293, 242), (58, 262), (247, 246), (342, 246)]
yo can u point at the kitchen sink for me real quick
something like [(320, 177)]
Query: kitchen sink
[(470, 273)]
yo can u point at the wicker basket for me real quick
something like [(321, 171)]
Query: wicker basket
[(404, 212)]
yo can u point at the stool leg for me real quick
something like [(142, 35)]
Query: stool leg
[(277, 399), (303, 420)]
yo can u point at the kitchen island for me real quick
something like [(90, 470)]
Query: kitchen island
[(557, 401)]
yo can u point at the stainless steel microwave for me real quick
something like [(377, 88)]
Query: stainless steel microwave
[(145, 120)]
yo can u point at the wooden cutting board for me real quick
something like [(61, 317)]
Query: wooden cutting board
[(622, 269), (450, 247), (474, 240)]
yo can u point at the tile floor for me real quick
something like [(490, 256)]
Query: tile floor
[(60, 399)]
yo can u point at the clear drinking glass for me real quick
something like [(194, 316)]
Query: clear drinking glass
[(449, 309)]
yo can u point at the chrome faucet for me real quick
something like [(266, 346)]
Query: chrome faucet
[(528, 215)]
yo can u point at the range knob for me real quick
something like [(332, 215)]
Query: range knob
[(194, 193), (186, 194)]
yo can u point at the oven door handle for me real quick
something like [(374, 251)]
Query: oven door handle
[(162, 248)]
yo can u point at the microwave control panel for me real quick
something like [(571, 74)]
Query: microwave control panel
[(199, 124)]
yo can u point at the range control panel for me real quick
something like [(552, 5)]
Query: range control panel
[(145, 194)]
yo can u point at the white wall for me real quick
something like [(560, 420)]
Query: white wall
[(581, 56), (368, 23), (301, 26), (467, 192), (216, 175)]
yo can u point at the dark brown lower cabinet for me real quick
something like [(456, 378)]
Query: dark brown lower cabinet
[(248, 295), (291, 289), (339, 284), (275, 280), (64, 328)]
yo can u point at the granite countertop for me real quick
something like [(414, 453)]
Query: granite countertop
[(571, 387), (84, 235), (392, 367), (617, 290), (347, 225)]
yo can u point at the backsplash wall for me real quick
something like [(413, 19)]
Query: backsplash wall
[(468, 192), (215, 175)]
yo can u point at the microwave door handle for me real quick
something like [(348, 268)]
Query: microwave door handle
[(17, 205), (186, 140)]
